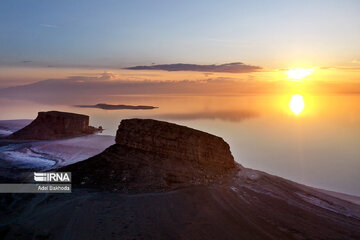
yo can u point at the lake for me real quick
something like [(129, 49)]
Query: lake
[(320, 146)]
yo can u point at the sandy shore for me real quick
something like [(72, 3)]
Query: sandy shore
[(7, 127), (29, 156), (346, 197)]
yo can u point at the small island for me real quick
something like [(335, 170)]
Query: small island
[(54, 125), (117, 107)]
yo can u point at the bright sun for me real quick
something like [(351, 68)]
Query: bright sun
[(297, 104), (298, 73)]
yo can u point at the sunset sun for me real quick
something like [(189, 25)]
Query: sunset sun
[(297, 104)]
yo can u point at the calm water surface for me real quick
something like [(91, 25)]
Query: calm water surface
[(319, 147)]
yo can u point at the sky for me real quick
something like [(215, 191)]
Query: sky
[(55, 54), (111, 34)]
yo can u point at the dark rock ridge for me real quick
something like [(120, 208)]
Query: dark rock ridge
[(55, 125), (117, 107), (151, 154)]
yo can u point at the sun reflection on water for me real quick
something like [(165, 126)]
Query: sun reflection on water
[(297, 104)]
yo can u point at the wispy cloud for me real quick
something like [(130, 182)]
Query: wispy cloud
[(353, 65), (236, 67), (346, 68), (108, 76), (48, 26), (81, 90)]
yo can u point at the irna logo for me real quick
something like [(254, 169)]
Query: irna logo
[(52, 177)]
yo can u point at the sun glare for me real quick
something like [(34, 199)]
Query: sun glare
[(298, 73), (297, 104)]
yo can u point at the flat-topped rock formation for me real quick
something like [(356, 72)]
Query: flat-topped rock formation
[(150, 154), (55, 125)]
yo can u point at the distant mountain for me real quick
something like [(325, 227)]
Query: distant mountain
[(77, 90)]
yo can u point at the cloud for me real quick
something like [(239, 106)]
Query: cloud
[(207, 74), (85, 90), (80, 90), (236, 67), (346, 68), (108, 76)]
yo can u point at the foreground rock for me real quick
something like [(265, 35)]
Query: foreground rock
[(55, 125), (251, 205), (151, 154)]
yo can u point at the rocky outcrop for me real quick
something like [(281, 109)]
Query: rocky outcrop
[(151, 154), (55, 125)]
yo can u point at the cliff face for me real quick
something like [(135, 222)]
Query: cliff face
[(55, 125), (176, 142), (151, 154)]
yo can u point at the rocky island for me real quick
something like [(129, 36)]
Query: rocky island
[(55, 125)]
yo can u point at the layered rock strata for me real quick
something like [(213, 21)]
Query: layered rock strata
[(55, 125), (150, 154)]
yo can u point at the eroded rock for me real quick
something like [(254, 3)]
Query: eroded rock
[(55, 125), (151, 154)]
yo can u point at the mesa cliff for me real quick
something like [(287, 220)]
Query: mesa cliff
[(150, 154), (55, 125)]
